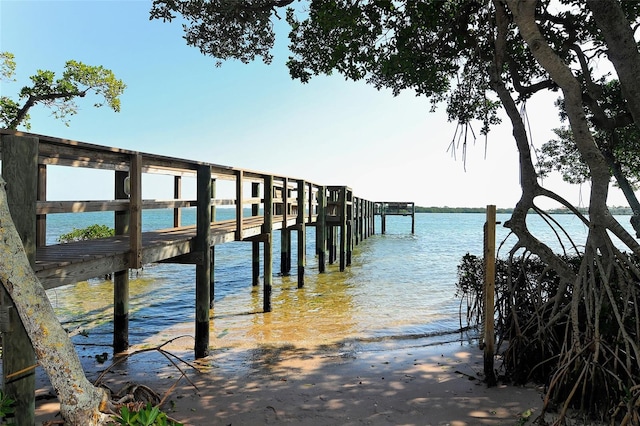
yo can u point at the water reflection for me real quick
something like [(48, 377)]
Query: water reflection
[(399, 285), (319, 313)]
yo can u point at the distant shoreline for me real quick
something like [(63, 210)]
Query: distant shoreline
[(616, 210)]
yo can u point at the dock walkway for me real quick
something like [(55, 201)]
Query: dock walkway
[(276, 203)]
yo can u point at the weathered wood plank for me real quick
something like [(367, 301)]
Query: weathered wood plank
[(203, 271), (135, 212), (239, 204), (302, 233), (41, 219), (268, 246), (121, 278), (177, 194), (19, 169)]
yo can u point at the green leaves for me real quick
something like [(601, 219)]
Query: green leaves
[(97, 78), (6, 406), (77, 80), (7, 66), (147, 416), (89, 233)]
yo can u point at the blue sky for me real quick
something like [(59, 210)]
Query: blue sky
[(330, 131)]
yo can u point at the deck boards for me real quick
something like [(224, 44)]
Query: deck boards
[(62, 264)]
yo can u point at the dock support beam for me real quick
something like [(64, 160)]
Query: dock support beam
[(372, 218), (343, 228), (177, 194), (413, 219), (203, 268), (121, 278), (212, 274), (383, 221), (285, 232), (135, 209), (239, 205), (302, 238), (321, 230), (350, 225), (41, 219), (255, 245), (268, 243), (19, 169)]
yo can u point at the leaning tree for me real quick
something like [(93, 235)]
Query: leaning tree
[(81, 403), (477, 56)]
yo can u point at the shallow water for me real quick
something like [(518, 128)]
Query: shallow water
[(399, 286)]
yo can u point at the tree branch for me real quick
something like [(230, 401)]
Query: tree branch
[(34, 99)]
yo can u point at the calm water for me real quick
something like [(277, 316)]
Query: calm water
[(398, 286)]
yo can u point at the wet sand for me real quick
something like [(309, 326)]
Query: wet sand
[(393, 383)]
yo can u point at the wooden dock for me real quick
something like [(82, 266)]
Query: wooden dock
[(395, 208), (276, 204)]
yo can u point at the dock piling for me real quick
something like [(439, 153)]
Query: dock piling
[(203, 271), (285, 232), (212, 274), (321, 229), (268, 243), (19, 169), (302, 230), (255, 245), (121, 278)]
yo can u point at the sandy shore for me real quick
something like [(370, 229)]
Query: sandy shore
[(410, 383)]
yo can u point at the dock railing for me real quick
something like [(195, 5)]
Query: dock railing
[(396, 208), (263, 203)]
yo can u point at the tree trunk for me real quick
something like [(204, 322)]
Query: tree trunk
[(623, 53), (81, 402), (524, 16), (528, 176), (622, 50), (600, 322)]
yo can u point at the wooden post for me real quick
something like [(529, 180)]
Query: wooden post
[(268, 246), (302, 238), (212, 287), (203, 271), (20, 171), (383, 216), (372, 218), (321, 229), (135, 209), (310, 205), (213, 197), (121, 278), (350, 226), (358, 219), (285, 251), (177, 194), (489, 294), (355, 218), (413, 218), (364, 220), (343, 228), (318, 219), (255, 245), (239, 204), (331, 243), (212, 267), (41, 219), (285, 232)]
